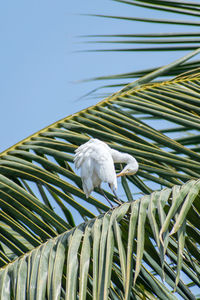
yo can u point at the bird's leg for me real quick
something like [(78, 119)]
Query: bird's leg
[(114, 192), (102, 192), (118, 200)]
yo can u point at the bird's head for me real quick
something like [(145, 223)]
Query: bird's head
[(129, 169)]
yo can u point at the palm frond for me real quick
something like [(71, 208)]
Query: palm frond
[(38, 181), (181, 14), (107, 254)]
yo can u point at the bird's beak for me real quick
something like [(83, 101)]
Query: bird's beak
[(121, 174)]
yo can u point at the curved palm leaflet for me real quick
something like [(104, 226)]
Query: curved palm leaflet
[(38, 183), (173, 26)]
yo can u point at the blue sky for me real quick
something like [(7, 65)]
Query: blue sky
[(40, 63)]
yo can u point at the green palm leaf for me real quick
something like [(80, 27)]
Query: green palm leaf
[(114, 241), (38, 183), (177, 13), (44, 161)]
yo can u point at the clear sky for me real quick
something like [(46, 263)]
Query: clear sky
[(39, 63)]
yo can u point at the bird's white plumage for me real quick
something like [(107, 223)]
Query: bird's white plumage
[(96, 160), (96, 164)]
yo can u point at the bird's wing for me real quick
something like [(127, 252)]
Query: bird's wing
[(99, 155), (82, 152), (87, 177), (104, 166), (84, 159), (96, 163)]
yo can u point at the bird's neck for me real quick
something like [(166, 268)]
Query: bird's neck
[(120, 157), (128, 159)]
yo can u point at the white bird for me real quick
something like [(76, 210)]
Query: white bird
[(96, 160)]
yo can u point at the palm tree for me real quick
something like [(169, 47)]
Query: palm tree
[(57, 244)]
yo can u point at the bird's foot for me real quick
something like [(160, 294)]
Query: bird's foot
[(117, 199)]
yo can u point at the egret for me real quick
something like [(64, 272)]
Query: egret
[(96, 160)]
